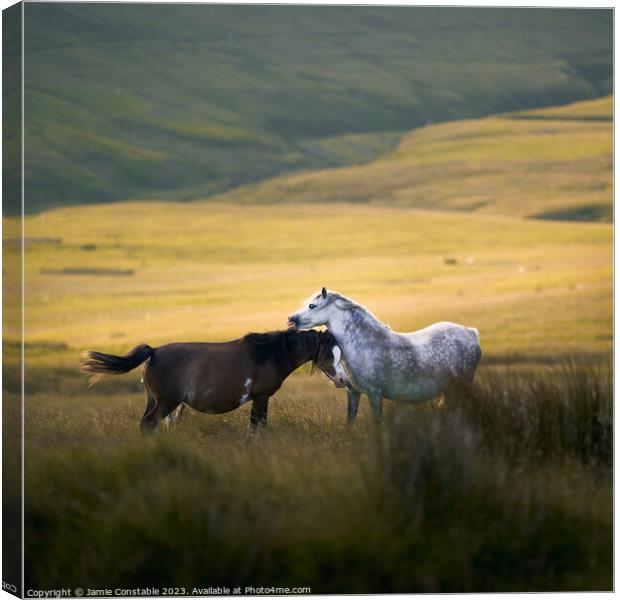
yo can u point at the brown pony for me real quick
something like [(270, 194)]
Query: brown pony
[(219, 377)]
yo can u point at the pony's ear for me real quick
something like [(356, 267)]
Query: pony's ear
[(324, 293)]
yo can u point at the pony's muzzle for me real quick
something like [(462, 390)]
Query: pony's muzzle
[(339, 382), (293, 321)]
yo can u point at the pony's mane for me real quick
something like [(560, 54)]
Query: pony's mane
[(276, 345), (344, 303), (327, 341)]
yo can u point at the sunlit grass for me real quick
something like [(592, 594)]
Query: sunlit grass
[(600, 108), (205, 271), (514, 164)]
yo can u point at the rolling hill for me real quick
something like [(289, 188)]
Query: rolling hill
[(553, 163), (184, 101)]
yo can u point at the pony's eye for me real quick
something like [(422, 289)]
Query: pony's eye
[(311, 306)]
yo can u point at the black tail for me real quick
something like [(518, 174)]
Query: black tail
[(101, 365)]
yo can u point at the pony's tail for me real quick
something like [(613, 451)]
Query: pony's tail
[(101, 365)]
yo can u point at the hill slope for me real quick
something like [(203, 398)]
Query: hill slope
[(182, 101), (552, 163)]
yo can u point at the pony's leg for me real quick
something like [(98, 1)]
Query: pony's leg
[(353, 399), (149, 420), (155, 412), (376, 404), (173, 418), (258, 416), (459, 392)]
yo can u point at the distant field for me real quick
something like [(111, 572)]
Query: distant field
[(553, 163), (204, 271)]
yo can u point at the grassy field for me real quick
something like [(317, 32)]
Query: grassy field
[(181, 102), (554, 163), (508, 488), (204, 271)]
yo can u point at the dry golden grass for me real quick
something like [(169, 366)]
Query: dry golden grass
[(508, 489), (215, 272)]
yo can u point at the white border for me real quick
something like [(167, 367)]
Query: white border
[(430, 3)]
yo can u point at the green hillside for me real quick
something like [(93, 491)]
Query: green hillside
[(553, 163), (169, 101)]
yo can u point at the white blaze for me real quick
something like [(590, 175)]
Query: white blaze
[(337, 356), (246, 395), (338, 366)]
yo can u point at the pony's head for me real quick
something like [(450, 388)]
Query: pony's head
[(318, 309), (329, 360)]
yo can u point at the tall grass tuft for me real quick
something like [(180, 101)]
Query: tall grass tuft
[(543, 413), (507, 487)]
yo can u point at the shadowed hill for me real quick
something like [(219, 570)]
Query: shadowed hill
[(553, 163), (186, 101)]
